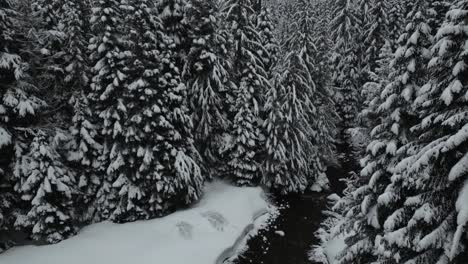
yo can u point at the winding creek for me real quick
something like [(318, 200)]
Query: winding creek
[(290, 237)]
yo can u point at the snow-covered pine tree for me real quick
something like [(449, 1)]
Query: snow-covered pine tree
[(321, 69), (376, 32), (207, 76), (9, 62), (346, 76), (322, 42), (47, 45), (135, 180), (84, 146), (107, 86), (372, 90), (294, 126), (347, 69), (161, 173), (75, 16), (251, 82), (18, 105), (48, 187), (430, 226), (180, 181), (172, 14), (266, 30), (396, 19), (85, 156), (287, 129), (381, 192), (439, 8)]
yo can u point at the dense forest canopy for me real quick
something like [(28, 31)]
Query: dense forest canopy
[(121, 110)]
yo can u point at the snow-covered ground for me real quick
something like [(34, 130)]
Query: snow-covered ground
[(198, 235), (333, 248)]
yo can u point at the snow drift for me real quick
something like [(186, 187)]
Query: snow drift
[(198, 235)]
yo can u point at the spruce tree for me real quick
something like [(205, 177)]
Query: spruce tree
[(19, 105), (433, 218), (172, 14), (376, 32), (47, 185), (266, 30), (107, 85), (49, 49), (347, 69), (346, 76), (134, 180), (381, 193), (84, 147), (294, 127), (287, 129), (207, 76), (250, 79), (8, 64)]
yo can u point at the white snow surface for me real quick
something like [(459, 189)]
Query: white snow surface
[(333, 248), (198, 235)]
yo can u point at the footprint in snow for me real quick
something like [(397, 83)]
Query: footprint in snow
[(185, 229), (216, 219)]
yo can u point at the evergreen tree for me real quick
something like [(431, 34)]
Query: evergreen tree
[(381, 192), (135, 178), (107, 85), (172, 14), (250, 78), (396, 19), (18, 105), (372, 90), (287, 129), (48, 48), (161, 172), (433, 217), (8, 63), (206, 72), (85, 156), (84, 149), (294, 127), (347, 72), (376, 31), (48, 186), (266, 28)]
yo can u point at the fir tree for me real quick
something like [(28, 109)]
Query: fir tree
[(48, 47), (376, 31), (249, 76), (172, 14), (9, 62), (84, 148), (346, 61), (433, 217), (47, 185), (107, 85), (18, 105), (206, 72), (266, 28), (287, 129), (381, 192)]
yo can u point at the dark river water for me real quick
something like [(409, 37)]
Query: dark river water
[(299, 218)]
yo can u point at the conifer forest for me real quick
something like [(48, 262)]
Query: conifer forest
[(125, 115)]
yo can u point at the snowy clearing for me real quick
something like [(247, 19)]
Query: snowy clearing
[(200, 234)]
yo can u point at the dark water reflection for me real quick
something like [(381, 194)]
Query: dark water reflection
[(299, 219)]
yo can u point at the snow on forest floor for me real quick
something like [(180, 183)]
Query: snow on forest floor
[(333, 248), (199, 235)]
